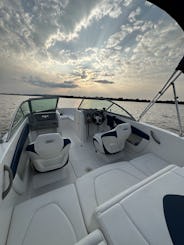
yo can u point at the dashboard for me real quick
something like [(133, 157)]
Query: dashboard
[(94, 116)]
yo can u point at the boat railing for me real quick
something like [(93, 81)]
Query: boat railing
[(18, 117), (170, 83)]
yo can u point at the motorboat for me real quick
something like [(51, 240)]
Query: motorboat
[(91, 175)]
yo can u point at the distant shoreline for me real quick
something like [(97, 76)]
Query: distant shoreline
[(147, 101), (96, 98)]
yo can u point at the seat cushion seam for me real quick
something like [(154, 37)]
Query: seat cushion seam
[(45, 205), (134, 224), (124, 171)]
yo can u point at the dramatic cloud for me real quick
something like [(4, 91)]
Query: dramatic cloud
[(73, 46), (40, 83)]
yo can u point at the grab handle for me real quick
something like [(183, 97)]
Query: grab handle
[(10, 175), (155, 137)]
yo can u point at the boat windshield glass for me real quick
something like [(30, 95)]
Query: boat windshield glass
[(118, 109), (95, 104), (38, 105), (18, 118), (106, 105)]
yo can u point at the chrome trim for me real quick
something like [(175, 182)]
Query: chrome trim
[(177, 109)]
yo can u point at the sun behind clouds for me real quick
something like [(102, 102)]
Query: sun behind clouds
[(105, 48)]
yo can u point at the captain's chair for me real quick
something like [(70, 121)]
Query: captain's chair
[(112, 141), (49, 152)]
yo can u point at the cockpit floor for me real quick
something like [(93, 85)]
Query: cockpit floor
[(82, 159)]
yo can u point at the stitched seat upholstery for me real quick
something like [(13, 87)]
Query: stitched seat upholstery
[(49, 152), (112, 141)]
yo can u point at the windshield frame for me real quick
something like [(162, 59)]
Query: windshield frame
[(130, 116), (12, 128), (15, 125), (42, 98)]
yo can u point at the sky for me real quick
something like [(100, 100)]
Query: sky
[(112, 48)]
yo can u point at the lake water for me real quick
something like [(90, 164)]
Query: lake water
[(161, 115)]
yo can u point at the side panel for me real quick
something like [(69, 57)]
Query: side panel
[(6, 206), (171, 145)]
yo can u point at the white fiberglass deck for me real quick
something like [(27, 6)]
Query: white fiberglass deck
[(82, 159), (75, 192)]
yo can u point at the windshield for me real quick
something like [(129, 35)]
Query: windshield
[(106, 105), (95, 104), (38, 105)]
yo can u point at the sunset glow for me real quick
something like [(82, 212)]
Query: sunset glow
[(120, 48)]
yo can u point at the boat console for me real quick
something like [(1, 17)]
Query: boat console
[(43, 120), (94, 116)]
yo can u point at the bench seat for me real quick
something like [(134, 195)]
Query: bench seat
[(104, 183), (52, 218), (150, 212)]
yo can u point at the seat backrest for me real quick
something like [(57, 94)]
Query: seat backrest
[(114, 140), (49, 152), (49, 145), (123, 131)]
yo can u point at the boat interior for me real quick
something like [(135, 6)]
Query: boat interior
[(93, 174), (86, 176)]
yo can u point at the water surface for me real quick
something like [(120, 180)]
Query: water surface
[(161, 115)]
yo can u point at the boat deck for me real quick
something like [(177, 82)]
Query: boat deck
[(82, 159)]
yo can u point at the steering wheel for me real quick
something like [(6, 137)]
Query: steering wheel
[(88, 118), (98, 117)]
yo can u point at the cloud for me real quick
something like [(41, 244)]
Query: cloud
[(40, 83), (126, 3), (82, 42), (84, 75), (132, 16), (162, 40), (104, 81), (115, 39), (83, 16)]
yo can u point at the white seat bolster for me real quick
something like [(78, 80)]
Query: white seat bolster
[(94, 238)]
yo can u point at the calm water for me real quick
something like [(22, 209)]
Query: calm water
[(161, 115)]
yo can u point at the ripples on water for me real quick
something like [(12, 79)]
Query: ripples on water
[(161, 115)]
